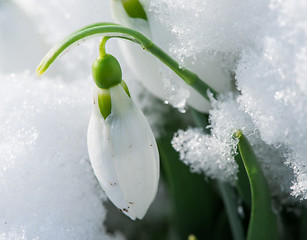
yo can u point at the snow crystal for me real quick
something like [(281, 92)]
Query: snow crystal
[(206, 37), (272, 79), (264, 43), (48, 189), (218, 26), (213, 154), (205, 154)]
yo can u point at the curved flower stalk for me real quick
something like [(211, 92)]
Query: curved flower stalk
[(146, 68), (121, 145)]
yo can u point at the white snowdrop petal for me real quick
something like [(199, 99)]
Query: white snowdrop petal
[(124, 155), (120, 15), (100, 156), (210, 70), (143, 65)]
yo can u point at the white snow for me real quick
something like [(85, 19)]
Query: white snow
[(213, 154), (48, 189), (273, 81), (206, 37), (269, 40)]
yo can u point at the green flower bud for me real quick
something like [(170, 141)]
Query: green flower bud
[(106, 72)]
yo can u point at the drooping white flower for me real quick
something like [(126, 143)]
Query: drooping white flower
[(146, 69), (124, 154)]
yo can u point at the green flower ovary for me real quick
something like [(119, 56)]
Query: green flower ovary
[(106, 71)]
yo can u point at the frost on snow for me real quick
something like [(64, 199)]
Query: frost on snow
[(270, 72), (212, 153)]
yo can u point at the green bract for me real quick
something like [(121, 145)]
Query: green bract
[(125, 87), (104, 99), (106, 71), (104, 102)]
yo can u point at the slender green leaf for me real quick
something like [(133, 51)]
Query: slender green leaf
[(263, 222), (303, 225), (231, 208), (226, 191), (221, 229), (243, 182), (196, 206)]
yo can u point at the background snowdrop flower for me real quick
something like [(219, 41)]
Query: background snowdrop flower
[(144, 66), (121, 145), (154, 76)]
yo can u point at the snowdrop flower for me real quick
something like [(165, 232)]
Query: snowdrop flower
[(146, 68), (121, 145)]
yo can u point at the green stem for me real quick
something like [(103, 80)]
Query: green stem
[(227, 192), (102, 47), (114, 30)]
